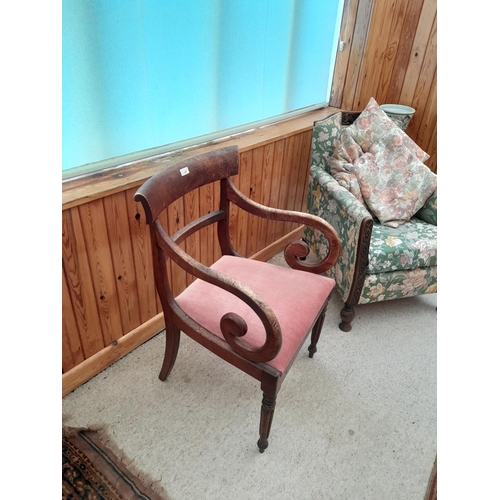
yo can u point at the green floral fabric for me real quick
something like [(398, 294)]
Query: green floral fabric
[(411, 245), (402, 260), (325, 138), (335, 204), (399, 284), (429, 212)]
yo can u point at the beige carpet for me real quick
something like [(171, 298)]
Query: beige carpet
[(356, 422)]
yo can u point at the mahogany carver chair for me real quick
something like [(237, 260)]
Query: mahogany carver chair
[(254, 315)]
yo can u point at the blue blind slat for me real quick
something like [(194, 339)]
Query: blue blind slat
[(138, 74)]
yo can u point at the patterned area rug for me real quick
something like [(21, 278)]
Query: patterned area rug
[(93, 469)]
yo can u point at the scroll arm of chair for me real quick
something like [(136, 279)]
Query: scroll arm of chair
[(298, 249), (233, 326)]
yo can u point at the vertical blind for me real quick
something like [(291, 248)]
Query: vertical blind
[(142, 74)]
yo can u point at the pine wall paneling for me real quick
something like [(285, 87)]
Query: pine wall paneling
[(390, 54)]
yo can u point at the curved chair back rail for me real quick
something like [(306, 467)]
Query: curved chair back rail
[(174, 182)]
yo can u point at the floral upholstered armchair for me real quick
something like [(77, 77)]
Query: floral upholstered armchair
[(368, 180)]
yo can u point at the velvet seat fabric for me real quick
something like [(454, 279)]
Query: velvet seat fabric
[(294, 296)]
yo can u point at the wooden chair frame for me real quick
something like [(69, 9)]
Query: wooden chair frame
[(156, 195)]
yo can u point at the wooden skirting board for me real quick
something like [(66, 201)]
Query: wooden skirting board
[(106, 357)]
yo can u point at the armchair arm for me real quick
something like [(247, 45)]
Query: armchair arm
[(233, 326), (350, 219), (333, 203), (428, 213), (295, 250)]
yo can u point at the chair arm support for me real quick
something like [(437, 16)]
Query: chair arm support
[(295, 249), (233, 326), (350, 219)]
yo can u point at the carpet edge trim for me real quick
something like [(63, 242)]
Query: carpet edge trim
[(102, 434)]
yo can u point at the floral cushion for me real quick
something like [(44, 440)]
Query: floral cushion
[(372, 124), (394, 183), (349, 182), (409, 246), (348, 149), (345, 153)]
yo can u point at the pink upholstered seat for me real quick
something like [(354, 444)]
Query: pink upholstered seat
[(294, 296)]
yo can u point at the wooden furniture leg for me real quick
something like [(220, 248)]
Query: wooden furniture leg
[(347, 315), (266, 419), (316, 332), (172, 338)]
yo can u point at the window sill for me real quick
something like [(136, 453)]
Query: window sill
[(99, 184)]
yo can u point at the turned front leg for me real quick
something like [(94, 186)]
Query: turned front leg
[(266, 419), (316, 332)]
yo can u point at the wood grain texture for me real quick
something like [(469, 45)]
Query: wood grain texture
[(374, 56), (284, 181), (95, 233), (276, 174), (252, 228), (391, 50), (239, 229), (83, 371), (393, 58), (356, 55), (80, 285), (263, 192), (403, 53), (175, 222), (107, 247), (427, 83), (419, 47), (303, 179), (432, 150), (72, 353), (342, 58), (192, 212), (143, 265), (206, 204), (295, 163), (426, 127), (120, 245)]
